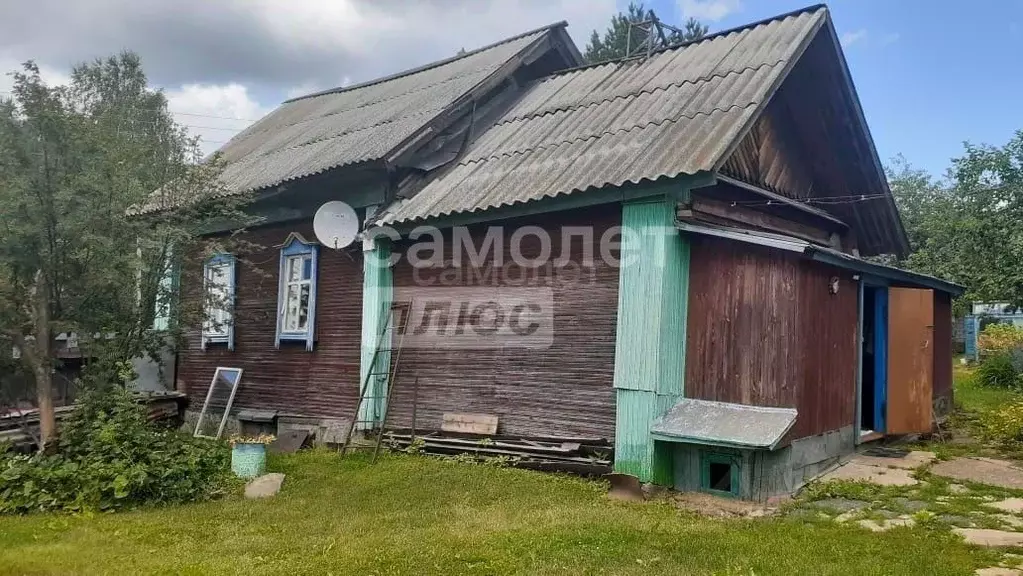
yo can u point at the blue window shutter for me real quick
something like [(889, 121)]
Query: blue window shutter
[(311, 335), (280, 301), (232, 271)]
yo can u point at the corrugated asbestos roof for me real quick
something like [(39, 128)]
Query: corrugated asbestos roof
[(308, 135), (724, 424), (676, 112)]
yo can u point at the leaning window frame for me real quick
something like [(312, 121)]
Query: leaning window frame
[(295, 245), (227, 336)]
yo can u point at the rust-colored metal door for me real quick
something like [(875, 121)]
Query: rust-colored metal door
[(910, 360)]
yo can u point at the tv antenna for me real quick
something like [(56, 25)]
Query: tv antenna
[(652, 35), (336, 224)]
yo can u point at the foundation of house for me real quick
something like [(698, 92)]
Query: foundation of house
[(759, 474)]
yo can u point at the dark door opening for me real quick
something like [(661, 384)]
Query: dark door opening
[(867, 369), (874, 354)]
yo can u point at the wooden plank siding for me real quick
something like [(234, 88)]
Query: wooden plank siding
[(319, 383), (764, 330), (942, 353), (565, 390)]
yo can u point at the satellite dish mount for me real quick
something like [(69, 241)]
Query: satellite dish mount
[(336, 224)]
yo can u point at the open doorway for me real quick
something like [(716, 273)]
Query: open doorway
[(874, 355)]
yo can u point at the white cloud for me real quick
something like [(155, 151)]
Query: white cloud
[(849, 38), (712, 10), (214, 112)]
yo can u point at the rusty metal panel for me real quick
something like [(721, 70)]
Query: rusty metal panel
[(291, 380), (910, 360), (564, 390), (764, 330), (942, 402)]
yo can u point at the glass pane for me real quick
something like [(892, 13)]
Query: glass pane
[(307, 268), (294, 269), (217, 313), (303, 319), (292, 304)]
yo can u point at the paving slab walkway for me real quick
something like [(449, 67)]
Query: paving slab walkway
[(881, 470), (987, 537), (1001, 473)]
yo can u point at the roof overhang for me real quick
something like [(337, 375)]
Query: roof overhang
[(723, 424), (825, 255)]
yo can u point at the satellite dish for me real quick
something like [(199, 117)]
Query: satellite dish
[(336, 224)]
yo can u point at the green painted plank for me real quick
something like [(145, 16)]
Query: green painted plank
[(651, 333), (377, 294)]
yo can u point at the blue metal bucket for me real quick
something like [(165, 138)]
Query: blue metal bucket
[(248, 460)]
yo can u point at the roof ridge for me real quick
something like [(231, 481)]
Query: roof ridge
[(428, 66), (708, 37), (604, 133), (703, 79)]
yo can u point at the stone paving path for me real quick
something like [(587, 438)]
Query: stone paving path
[(983, 471), (975, 498)]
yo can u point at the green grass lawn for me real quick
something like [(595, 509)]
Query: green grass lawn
[(419, 515), (972, 397)]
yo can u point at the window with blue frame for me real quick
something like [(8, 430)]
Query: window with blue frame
[(218, 307), (296, 297)]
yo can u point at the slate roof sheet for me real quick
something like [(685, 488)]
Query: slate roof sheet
[(676, 112)]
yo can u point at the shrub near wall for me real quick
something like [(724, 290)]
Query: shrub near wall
[(1001, 353), (110, 457)]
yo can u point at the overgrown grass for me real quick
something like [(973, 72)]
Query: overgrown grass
[(418, 515), (975, 398)]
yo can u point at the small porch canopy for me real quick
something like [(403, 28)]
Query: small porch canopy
[(724, 424), (894, 276)]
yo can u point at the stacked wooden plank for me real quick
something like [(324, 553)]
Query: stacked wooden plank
[(20, 428), (585, 456)]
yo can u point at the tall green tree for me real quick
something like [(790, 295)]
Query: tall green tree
[(621, 34), (100, 189), (968, 227)]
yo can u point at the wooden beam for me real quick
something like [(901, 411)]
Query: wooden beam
[(789, 202), (720, 212)]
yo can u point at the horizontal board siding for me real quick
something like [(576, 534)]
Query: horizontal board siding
[(942, 354), (292, 380), (764, 330), (564, 390)]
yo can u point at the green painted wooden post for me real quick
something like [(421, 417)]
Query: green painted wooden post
[(377, 294), (653, 290)]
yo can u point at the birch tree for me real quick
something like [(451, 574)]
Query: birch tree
[(99, 189)]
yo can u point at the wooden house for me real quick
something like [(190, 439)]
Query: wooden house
[(746, 345)]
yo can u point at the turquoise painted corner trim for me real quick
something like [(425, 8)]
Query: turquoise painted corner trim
[(653, 291), (377, 293)]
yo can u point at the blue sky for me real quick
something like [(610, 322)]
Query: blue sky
[(930, 74)]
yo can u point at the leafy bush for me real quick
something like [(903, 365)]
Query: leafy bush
[(110, 457), (998, 371), (1004, 425), (995, 339)]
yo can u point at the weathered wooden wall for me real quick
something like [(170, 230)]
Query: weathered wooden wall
[(318, 383), (565, 390), (764, 330), (942, 353)]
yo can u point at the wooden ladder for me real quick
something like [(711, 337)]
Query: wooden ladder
[(366, 393)]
